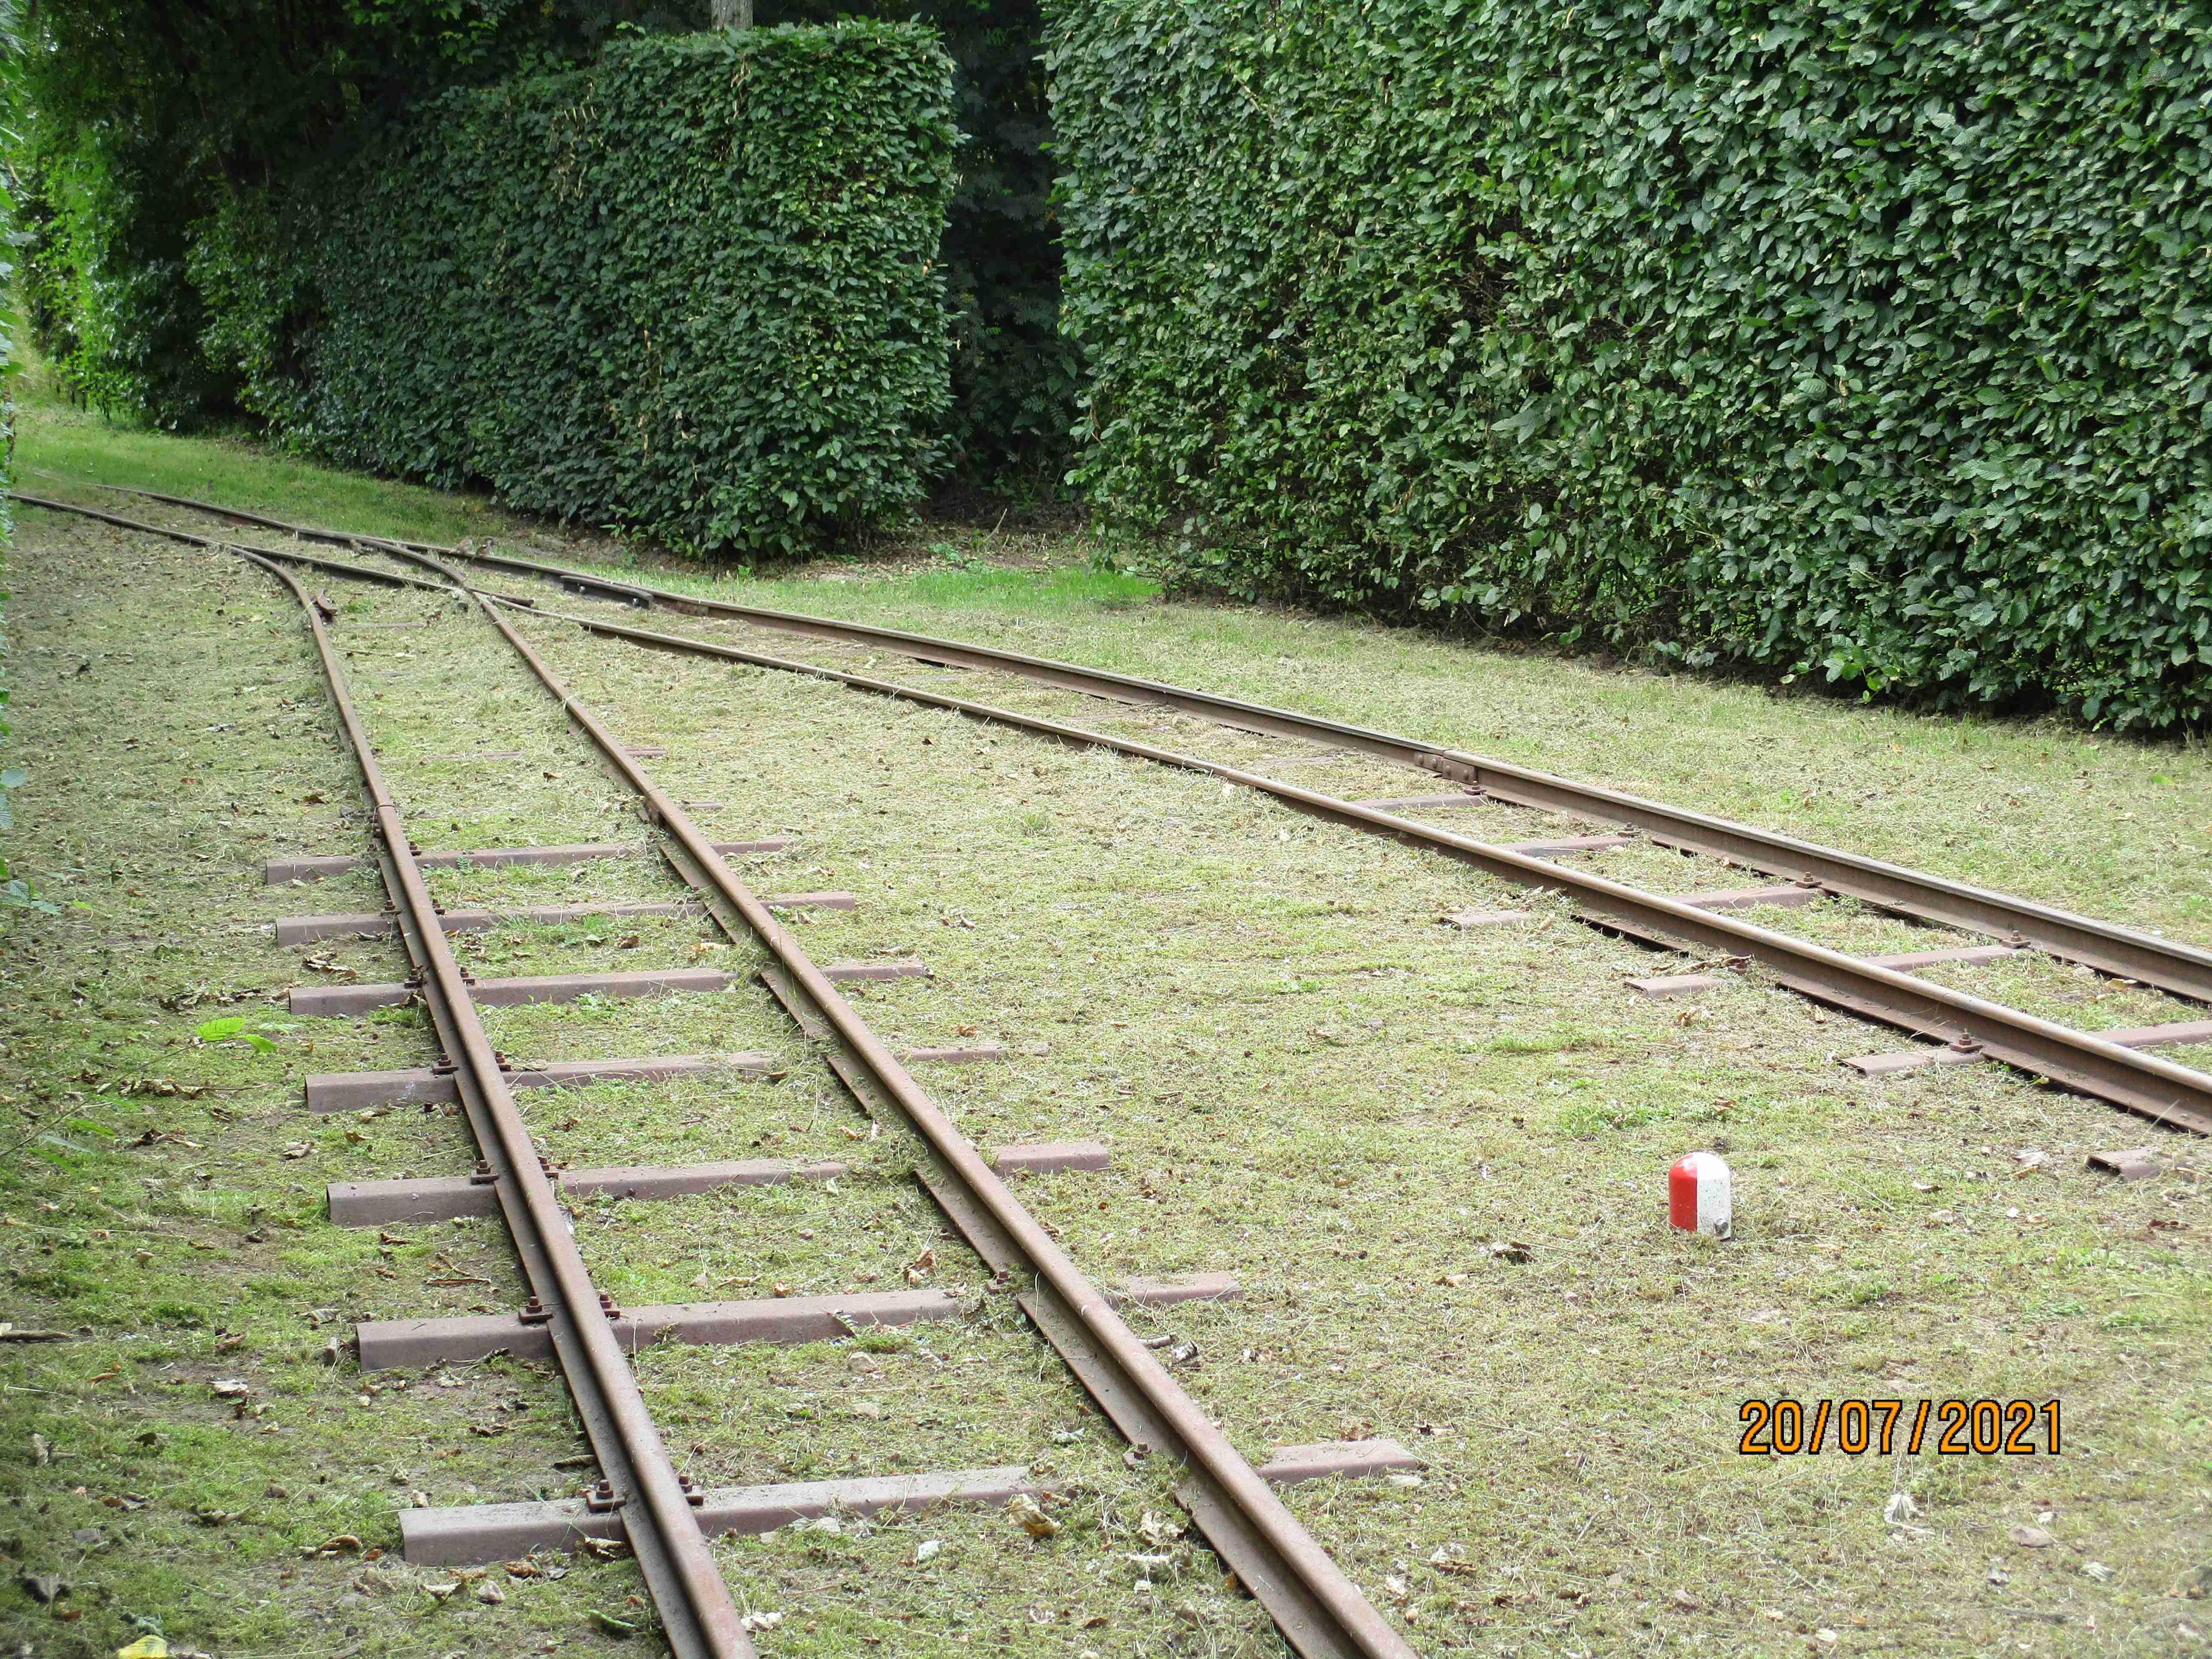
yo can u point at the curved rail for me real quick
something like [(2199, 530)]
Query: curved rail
[(697, 1612), (2156, 1088), (2185, 970), (1319, 1609), (2143, 1083), (2172, 1094)]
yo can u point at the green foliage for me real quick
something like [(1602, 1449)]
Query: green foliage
[(1868, 339), (232, 1028), (692, 288), (135, 122), (129, 119), (1013, 373)]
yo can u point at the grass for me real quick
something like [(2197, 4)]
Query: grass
[(1304, 1080), (2113, 826)]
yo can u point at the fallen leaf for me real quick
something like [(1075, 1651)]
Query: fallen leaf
[(2030, 1538), (230, 1387), (1035, 1522), (490, 1594)]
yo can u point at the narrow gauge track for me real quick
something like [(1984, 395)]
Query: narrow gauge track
[(639, 1496), (2183, 969), (688, 1592), (1881, 989)]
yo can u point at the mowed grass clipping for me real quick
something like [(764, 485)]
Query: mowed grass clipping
[(2119, 829), (1306, 1079)]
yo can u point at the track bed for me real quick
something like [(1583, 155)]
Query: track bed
[(1305, 1078)]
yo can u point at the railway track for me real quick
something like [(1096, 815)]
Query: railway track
[(639, 1497), (1950, 1024)]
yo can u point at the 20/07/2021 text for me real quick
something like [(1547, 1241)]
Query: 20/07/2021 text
[(1785, 1427)]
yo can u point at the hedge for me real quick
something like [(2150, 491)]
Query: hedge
[(1862, 338), (692, 289)]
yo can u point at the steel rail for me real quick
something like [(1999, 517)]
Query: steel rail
[(1316, 1605), (290, 555), (2183, 969), (696, 1613), (2144, 1084)]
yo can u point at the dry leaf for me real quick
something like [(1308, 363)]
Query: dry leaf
[(1035, 1522)]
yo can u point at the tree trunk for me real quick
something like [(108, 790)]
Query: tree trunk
[(733, 13)]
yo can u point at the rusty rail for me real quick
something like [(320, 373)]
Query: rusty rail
[(1318, 1609), (2143, 1083), (2153, 1088), (2185, 970), (697, 1612)]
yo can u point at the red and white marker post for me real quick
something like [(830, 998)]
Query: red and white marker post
[(1699, 1195)]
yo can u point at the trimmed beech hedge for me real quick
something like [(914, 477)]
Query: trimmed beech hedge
[(1860, 338), (693, 288)]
